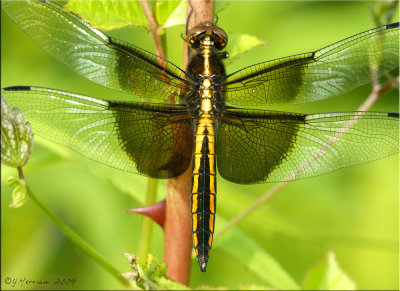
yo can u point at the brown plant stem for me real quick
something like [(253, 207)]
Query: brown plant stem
[(153, 28), (177, 228)]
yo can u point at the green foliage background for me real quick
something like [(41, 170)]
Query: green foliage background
[(354, 211)]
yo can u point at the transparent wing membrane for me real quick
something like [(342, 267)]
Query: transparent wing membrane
[(95, 55), (331, 71), (150, 139), (256, 146)]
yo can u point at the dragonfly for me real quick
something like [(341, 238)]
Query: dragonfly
[(202, 117)]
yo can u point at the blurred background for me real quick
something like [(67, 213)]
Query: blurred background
[(353, 211)]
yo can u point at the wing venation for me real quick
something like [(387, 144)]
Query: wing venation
[(309, 77), (257, 146), (95, 55), (154, 140)]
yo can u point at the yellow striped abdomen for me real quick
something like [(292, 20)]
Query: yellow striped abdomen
[(203, 201)]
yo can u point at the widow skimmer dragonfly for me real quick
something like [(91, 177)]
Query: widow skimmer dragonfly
[(205, 125)]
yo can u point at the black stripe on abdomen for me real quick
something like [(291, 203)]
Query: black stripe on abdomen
[(203, 200)]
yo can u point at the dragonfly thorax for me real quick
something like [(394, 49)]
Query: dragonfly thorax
[(206, 97)]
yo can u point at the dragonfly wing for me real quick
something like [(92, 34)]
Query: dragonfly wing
[(150, 139), (309, 77), (95, 55), (257, 146)]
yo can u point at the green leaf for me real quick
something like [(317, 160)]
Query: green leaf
[(327, 275), (256, 259), (19, 195), (109, 14), (170, 13), (16, 137), (150, 275), (220, 5), (239, 43)]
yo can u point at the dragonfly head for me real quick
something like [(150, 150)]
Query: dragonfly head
[(197, 34)]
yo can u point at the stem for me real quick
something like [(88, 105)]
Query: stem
[(153, 28), (177, 228), (74, 237)]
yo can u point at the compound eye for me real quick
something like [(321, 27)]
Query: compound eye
[(193, 41), (223, 43), (220, 37), (220, 42)]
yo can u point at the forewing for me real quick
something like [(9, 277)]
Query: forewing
[(150, 139), (95, 55), (257, 146), (309, 77)]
